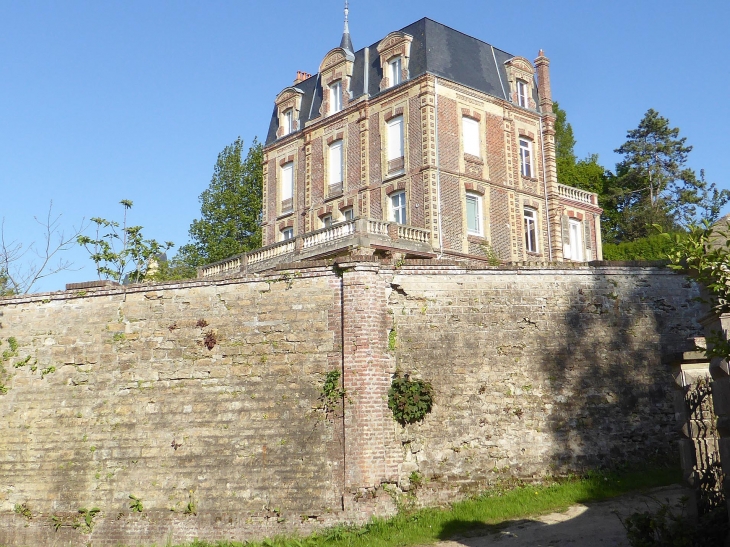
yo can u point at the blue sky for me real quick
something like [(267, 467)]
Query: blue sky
[(103, 101)]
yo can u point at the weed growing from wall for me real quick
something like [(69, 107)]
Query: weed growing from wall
[(23, 510), (331, 393), (409, 400), (136, 504)]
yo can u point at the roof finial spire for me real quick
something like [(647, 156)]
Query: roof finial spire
[(346, 42)]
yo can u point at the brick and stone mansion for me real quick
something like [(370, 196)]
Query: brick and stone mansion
[(428, 143)]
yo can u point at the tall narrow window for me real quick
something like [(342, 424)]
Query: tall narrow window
[(398, 207), (470, 132), (522, 91), (335, 164), (474, 214), (530, 230), (287, 187), (576, 240), (288, 121), (395, 140), (526, 158), (336, 97), (395, 67)]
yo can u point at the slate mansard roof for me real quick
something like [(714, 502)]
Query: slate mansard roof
[(436, 49)]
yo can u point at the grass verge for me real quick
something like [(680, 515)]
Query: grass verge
[(489, 511)]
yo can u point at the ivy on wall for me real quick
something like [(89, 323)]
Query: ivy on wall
[(409, 400)]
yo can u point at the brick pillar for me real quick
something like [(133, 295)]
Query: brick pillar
[(370, 444), (542, 64)]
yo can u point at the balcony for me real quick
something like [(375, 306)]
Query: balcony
[(576, 194), (334, 240)]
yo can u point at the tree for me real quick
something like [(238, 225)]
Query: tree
[(23, 265), (142, 255), (231, 206)]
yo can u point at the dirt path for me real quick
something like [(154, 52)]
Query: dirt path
[(593, 524)]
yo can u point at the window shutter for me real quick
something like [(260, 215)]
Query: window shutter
[(335, 163), (471, 136), (565, 222), (587, 237), (395, 138), (287, 182)]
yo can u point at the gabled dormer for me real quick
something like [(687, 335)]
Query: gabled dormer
[(288, 105), (521, 78), (395, 54), (335, 73)]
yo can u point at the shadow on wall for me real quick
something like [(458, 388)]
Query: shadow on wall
[(610, 376)]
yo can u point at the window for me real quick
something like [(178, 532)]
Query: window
[(335, 163), (522, 91), (395, 71), (530, 217), (326, 221), (288, 121), (336, 97), (348, 213), (287, 187), (526, 158), (395, 138), (575, 247), (470, 131), (398, 207), (287, 234), (474, 214)]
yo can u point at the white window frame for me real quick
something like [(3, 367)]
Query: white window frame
[(476, 200), (287, 182), (395, 70), (530, 223), (335, 163), (287, 234), (526, 168), (398, 205), (348, 213), (288, 116), (575, 233), (470, 135), (336, 97), (522, 94), (396, 148), (326, 221)]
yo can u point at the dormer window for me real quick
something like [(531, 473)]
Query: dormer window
[(336, 97), (288, 121), (522, 94), (395, 71)]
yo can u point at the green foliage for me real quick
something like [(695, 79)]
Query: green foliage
[(332, 392), (392, 339), (23, 510), (409, 400), (88, 515), (653, 247), (120, 251), (5, 287), (192, 507), (490, 254), (231, 206), (136, 504)]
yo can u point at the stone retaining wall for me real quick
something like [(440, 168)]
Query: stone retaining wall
[(204, 399)]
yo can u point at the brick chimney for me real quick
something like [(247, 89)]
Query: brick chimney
[(542, 64), (301, 76)]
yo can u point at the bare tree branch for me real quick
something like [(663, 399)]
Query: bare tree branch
[(19, 273)]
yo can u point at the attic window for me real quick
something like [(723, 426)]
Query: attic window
[(336, 96), (288, 121), (395, 71), (522, 94)]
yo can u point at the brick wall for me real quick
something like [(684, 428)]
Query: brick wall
[(535, 370)]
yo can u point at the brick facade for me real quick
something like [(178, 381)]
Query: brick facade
[(436, 173)]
